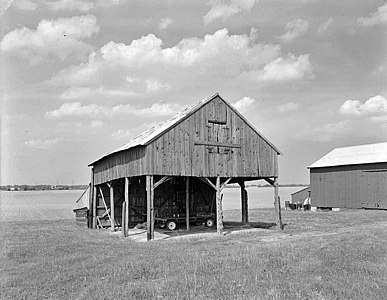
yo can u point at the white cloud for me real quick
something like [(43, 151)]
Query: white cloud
[(376, 105), (326, 132), (24, 5), (145, 66), (244, 104), (325, 26), (60, 37), (224, 9), (70, 5), (84, 92), (165, 23), (42, 144), (77, 109), (287, 107), (289, 68), (294, 29), (155, 85), (378, 17), (123, 134)]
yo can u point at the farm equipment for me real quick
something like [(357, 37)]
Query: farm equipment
[(171, 222)]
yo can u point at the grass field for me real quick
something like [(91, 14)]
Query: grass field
[(323, 255)]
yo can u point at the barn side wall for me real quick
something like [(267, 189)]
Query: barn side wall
[(353, 186)]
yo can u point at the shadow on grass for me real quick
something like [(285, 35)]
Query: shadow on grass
[(239, 225)]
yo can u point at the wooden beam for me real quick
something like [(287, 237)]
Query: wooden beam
[(150, 208), (187, 202), (277, 204), (216, 144), (244, 202), (94, 207), (207, 181), (113, 223), (269, 181), (125, 211), (223, 185), (91, 190), (161, 181), (219, 211), (104, 203)]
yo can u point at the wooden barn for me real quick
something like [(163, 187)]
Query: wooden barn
[(351, 177), (177, 170)]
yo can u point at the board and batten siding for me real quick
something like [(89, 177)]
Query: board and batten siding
[(213, 141), (351, 186)]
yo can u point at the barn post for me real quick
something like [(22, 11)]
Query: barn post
[(113, 222), (219, 212), (245, 217), (125, 224), (91, 190), (150, 208), (94, 207), (277, 204), (187, 202)]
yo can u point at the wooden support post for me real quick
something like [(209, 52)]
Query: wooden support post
[(94, 206), (187, 202), (150, 208), (219, 212), (244, 202), (113, 222), (91, 190), (125, 211), (277, 204)]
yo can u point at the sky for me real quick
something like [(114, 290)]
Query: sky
[(80, 78)]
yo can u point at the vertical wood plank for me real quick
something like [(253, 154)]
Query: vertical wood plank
[(126, 211), (187, 202), (277, 204), (244, 202), (150, 208), (219, 211), (94, 207), (111, 188)]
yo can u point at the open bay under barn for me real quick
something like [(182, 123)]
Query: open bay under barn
[(351, 177), (175, 172)]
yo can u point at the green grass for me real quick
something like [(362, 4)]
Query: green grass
[(324, 255)]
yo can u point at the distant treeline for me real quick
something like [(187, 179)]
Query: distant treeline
[(269, 185), (41, 187)]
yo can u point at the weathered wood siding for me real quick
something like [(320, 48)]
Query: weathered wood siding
[(213, 141), (127, 163), (192, 147), (354, 186)]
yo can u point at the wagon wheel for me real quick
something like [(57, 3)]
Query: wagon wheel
[(171, 225), (210, 222)]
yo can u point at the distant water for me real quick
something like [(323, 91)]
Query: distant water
[(56, 205)]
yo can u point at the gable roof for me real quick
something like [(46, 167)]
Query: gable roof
[(153, 133), (355, 155)]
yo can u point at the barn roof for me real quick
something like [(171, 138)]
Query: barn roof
[(153, 133), (355, 155)]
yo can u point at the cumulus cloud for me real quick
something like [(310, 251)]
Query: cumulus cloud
[(289, 68), (24, 5), (70, 5), (60, 37), (77, 109), (326, 132), (376, 105), (294, 29), (145, 66), (123, 134), (42, 144), (325, 26), (84, 92), (165, 23), (287, 107), (244, 104), (224, 9), (378, 17)]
